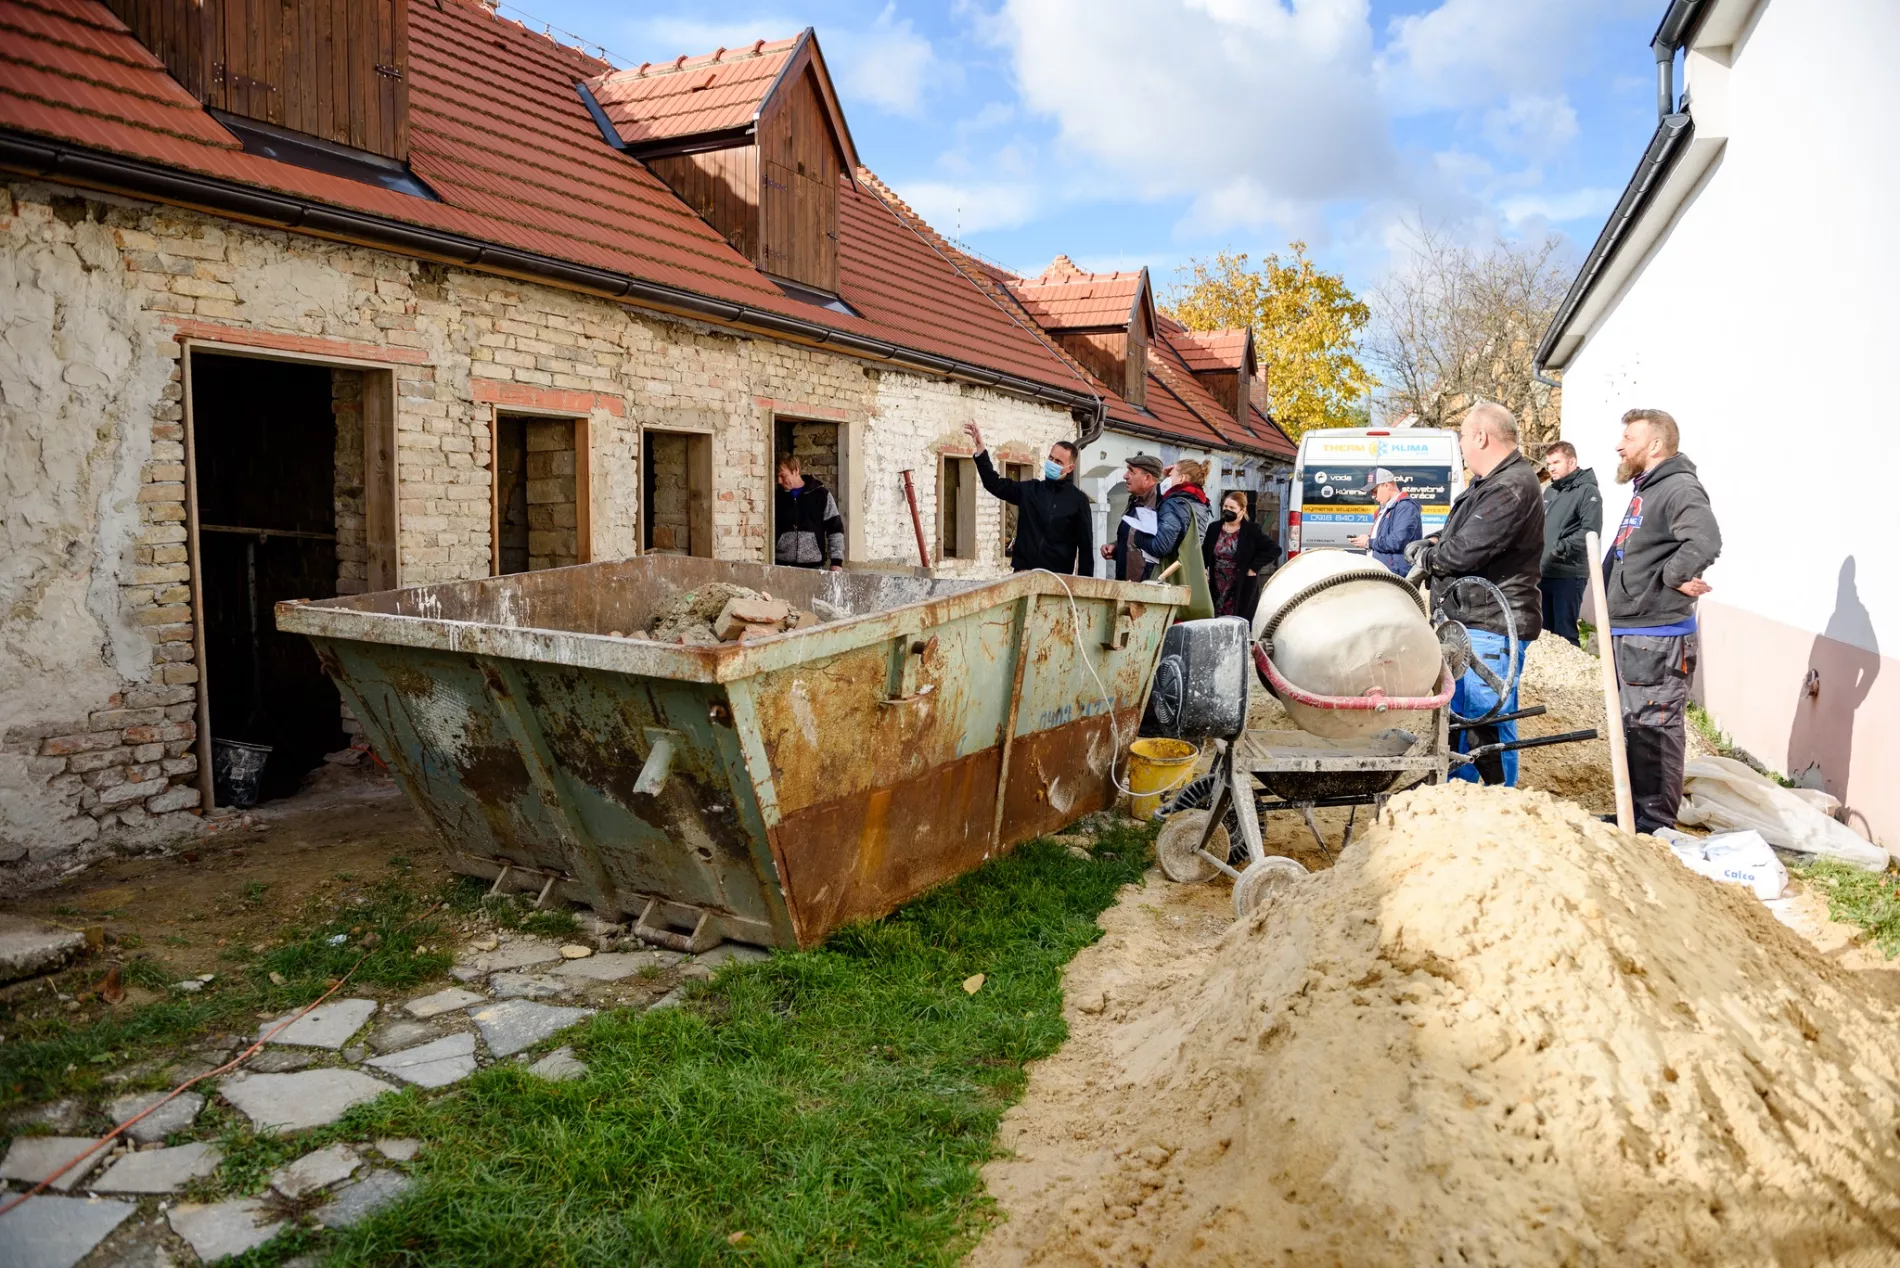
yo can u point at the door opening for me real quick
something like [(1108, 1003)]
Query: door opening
[(277, 446), (540, 511), (676, 494)]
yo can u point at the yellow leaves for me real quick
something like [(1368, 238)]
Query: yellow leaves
[(1306, 325), (973, 983)]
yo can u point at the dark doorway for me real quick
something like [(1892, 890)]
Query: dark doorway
[(815, 445), (265, 448), (676, 494)]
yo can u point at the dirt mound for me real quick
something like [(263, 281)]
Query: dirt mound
[(688, 616), (1567, 681), (1497, 1032)]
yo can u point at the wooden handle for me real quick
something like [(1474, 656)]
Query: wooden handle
[(1169, 571), (1612, 697)]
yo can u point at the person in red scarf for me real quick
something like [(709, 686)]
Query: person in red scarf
[(1180, 523)]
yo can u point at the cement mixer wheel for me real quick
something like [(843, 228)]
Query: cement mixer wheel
[(1261, 879), (1177, 848)]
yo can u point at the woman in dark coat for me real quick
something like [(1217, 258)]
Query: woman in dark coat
[(1239, 555)]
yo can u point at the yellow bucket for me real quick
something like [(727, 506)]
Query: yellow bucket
[(1157, 768)]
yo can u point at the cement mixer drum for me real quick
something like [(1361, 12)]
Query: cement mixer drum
[(1339, 624)]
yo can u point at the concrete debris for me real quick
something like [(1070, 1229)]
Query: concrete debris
[(559, 1066), (688, 617), (309, 1098), (32, 1158), (441, 1002), (512, 955), (515, 1024), (30, 946), (356, 1202), (528, 985), (399, 1150), (575, 951), (727, 952), (438, 1064), (327, 1027), (615, 965), (50, 1232), (224, 1228), (159, 1170), (315, 1171), (175, 1115)]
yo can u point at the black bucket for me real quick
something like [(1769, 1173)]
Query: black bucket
[(236, 769)]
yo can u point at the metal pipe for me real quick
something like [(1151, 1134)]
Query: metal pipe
[(1665, 83), (916, 518)]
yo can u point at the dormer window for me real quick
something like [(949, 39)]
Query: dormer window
[(1104, 320), (753, 141)]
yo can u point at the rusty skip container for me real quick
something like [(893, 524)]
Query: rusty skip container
[(766, 791)]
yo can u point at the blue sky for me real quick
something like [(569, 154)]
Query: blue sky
[(1130, 132)]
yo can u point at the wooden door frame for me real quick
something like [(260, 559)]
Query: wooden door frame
[(382, 503)]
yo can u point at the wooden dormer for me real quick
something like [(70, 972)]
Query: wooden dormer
[(1104, 320), (752, 139), (1224, 363)]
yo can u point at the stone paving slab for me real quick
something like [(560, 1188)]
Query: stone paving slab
[(51, 1232), (447, 1060), (615, 965), (528, 985), (279, 1061), (176, 1115), (314, 1171), (560, 1066), (441, 1002), (404, 1034), (29, 946), (33, 1158), (400, 1149), (224, 1228), (159, 1170), (328, 1027), (309, 1098), (728, 951), (510, 955), (356, 1202), (515, 1024)]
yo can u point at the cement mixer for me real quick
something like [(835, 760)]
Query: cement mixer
[(1367, 676)]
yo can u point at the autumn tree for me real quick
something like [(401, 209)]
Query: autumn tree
[(1455, 324), (1306, 325)]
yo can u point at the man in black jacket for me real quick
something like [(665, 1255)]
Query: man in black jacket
[(1572, 509), (1495, 531), (1054, 523), (1652, 577)]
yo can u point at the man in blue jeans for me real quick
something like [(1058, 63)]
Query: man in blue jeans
[(1495, 531)]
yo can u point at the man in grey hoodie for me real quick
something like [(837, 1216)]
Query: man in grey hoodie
[(1652, 577)]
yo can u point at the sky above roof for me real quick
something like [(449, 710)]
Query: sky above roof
[(1147, 132)]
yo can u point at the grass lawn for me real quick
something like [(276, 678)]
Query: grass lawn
[(824, 1107)]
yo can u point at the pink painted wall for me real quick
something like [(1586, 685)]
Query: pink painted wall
[(1753, 670)]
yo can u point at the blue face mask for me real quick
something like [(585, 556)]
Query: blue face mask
[(1051, 469)]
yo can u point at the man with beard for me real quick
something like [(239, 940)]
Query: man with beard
[(1652, 577), (1143, 479)]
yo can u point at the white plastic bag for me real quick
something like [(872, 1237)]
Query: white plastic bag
[(1739, 858), (1727, 796)]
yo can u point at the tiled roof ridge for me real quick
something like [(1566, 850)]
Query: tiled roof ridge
[(973, 270), (493, 14), (718, 57)]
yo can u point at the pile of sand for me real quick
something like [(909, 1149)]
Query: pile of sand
[(688, 616), (1497, 1032)]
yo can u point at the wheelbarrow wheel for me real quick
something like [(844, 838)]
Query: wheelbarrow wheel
[(1198, 794), (1177, 848), (1261, 879)]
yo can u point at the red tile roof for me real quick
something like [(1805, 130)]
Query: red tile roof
[(690, 96), (498, 131), (1206, 350), (1066, 298)]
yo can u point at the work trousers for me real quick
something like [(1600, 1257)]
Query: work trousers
[(1563, 604), (1655, 672), (1472, 697)]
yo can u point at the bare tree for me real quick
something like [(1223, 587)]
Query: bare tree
[(1455, 324)]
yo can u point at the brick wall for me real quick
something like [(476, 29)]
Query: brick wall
[(98, 680), (553, 540), (672, 530)]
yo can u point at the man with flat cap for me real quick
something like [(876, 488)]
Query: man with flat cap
[(1143, 479), (1395, 525)]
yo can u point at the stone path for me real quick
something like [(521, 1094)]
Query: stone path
[(29, 946), (309, 1077)]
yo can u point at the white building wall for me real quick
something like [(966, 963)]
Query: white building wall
[(1765, 320)]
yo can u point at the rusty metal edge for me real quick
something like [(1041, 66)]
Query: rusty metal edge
[(693, 664)]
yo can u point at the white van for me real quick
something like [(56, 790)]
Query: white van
[(1334, 464)]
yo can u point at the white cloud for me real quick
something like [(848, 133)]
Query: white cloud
[(1250, 109), (1530, 124), (1469, 52), (959, 210), (889, 65), (1579, 204)]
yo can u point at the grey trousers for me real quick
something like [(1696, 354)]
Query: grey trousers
[(1655, 673)]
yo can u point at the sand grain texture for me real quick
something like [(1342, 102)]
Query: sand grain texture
[(1496, 1032)]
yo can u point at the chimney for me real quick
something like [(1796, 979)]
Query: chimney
[(333, 70)]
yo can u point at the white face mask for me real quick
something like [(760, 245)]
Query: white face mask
[(1167, 483)]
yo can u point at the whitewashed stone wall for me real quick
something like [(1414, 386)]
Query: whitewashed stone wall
[(97, 297)]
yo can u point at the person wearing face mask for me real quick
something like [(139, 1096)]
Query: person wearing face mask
[(1237, 555), (1054, 525), (1180, 523)]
